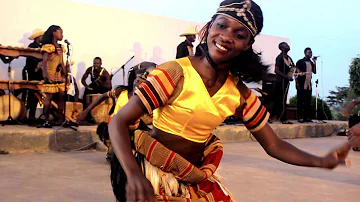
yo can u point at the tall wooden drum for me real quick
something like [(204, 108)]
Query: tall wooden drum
[(17, 108), (101, 112)]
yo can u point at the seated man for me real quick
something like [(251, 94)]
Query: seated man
[(100, 79), (136, 76)]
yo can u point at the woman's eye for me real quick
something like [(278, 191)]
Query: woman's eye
[(221, 26), (239, 36)]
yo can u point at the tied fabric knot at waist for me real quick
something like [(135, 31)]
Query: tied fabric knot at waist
[(176, 179)]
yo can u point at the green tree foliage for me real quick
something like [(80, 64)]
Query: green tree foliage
[(343, 96), (338, 97), (354, 79)]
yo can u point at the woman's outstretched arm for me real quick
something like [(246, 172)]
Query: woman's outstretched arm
[(290, 154)]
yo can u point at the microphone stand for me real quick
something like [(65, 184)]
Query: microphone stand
[(10, 119), (68, 124), (317, 94), (123, 73), (123, 68)]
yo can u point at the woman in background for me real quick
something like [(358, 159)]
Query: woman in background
[(53, 72)]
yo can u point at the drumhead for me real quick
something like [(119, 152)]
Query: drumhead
[(17, 108)]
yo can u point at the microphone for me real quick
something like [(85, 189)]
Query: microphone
[(67, 42), (122, 67)]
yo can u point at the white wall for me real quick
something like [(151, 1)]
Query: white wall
[(112, 34)]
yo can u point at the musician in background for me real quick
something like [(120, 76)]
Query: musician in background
[(136, 76), (186, 48), (282, 68), (100, 79), (54, 72), (303, 85), (32, 71)]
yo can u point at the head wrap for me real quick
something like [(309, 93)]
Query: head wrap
[(246, 12)]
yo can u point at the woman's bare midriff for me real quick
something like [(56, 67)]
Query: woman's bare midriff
[(191, 151)]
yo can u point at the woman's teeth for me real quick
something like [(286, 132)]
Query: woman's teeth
[(220, 47)]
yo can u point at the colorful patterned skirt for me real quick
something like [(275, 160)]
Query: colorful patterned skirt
[(174, 178)]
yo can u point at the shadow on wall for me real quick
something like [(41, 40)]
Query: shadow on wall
[(157, 56), (138, 51), (121, 79), (81, 69), (24, 41)]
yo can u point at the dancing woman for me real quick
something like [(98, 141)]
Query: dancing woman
[(191, 96)]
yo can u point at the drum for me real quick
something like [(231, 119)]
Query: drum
[(99, 113), (73, 109), (17, 108)]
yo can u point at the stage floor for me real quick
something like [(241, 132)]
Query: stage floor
[(25, 139), (246, 170)]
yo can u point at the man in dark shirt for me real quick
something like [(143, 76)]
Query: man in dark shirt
[(32, 71), (186, 48), (100, 79), (303, 85), (282, 68)]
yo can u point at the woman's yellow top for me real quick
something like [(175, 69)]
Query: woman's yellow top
[(182, 106)]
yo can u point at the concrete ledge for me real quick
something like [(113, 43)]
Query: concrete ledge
[(20, 139), (24, 139), (233, 133), (68, 139)]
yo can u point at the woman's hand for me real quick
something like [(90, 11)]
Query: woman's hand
[(345, 112), (138, 188), (336, 157)]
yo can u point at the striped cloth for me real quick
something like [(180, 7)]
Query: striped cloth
[(255, 115), (200, 182), (159, 86)]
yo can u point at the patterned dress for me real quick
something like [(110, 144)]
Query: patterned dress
[(54, 65)]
